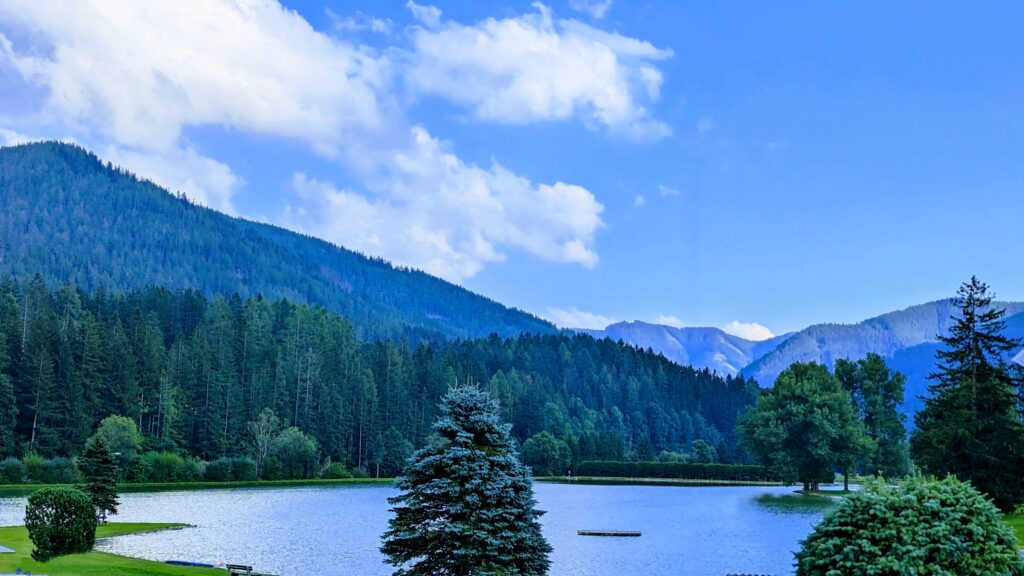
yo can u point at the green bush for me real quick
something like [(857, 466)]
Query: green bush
[(920, 526), (58, 470), (12, 471), (243, 469), (219, 470), (168, 467), (60, 521), (681, 470), (335, 471), (34, 467)]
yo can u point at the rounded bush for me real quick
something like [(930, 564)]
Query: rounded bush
[(919, 526), (60, 521), (12, 471)]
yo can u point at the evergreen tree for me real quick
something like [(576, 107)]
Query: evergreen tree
[(100, 474), (877, 393), (467, 505), (971, 427)]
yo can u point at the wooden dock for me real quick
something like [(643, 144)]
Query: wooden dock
[(612, 533)]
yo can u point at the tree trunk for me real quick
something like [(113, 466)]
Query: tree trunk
[(846, 480)]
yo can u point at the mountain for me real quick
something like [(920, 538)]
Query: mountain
[(907, 335), (906, 338), (710, 348), (69, 217)]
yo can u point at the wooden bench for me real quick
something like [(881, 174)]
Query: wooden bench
[(239, 570)]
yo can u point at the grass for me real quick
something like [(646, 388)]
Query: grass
[(25, 489), (650, 481), (92, 563), (1016, 521)]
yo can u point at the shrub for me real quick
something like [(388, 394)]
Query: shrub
[(160, 467), (335, 471), (682, 470), (219, 470), (243, 469), (35, 467), (61, 470), (296, 452), (12, 471), (920, 526), (359, 472), (60, 521)]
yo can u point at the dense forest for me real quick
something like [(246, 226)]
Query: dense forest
[(192, 372), (71, 218)]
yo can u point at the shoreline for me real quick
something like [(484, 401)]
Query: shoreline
[(130, 487)]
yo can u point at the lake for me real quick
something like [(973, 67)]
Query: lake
[(335, 530)]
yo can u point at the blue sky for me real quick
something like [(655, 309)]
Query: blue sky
[(762, 166)]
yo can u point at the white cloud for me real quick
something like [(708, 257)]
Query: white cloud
[(359, 22), (595, 8), (128, 78), (535, 68), (138, 72), (667, 191), (429, 16), (573, 317), (432, 210), (639, 201), (12, 138), (670, 320), (749, 331), (203, 180)]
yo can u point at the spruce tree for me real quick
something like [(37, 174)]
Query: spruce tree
[(971, 427), (467, 505), (100, 474)]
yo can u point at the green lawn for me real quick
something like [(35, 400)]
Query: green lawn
[(1016, 521), (92, 563)]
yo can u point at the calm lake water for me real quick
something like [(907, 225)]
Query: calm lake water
[(335, 530)]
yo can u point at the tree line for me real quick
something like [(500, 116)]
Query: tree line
[(815, 421), (195, 375)]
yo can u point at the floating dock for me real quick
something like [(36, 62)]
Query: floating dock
[(612, 533)]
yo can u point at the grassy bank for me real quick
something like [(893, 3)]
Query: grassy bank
[(613, 480), (26, 489), (92, 563)]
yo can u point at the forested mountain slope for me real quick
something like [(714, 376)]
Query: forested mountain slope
[(68, 217), (193, 371)]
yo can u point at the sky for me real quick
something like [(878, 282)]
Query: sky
[(754, 166)]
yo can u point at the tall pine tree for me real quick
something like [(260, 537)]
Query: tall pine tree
[(971, 427), (467, 505), (100, 474)]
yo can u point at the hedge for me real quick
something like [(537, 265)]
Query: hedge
[(688, 471)]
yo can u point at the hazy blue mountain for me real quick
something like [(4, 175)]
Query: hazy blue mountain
[(710, 348), (886, 335), (906, 338), (67, 216)]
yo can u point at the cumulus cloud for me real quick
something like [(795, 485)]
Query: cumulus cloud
[(749, 331), (573, 317), (140, 71), (533, 67), (359, 22), (128, 79), (639, 201), (429, 16), (203, 180), (471, 216), (12, 138), (669, 320), (597, 9)]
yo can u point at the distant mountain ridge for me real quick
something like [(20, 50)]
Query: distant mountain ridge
[(703, 347), (68, 216), (906, 338)]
